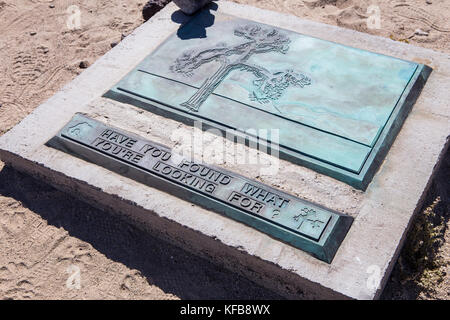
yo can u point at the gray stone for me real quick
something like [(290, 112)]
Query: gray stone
[(382, 213), (191, 6), (83, 64), (152, 7)]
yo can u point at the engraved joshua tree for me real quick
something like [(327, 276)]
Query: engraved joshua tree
[(309, 215), (268, 86)]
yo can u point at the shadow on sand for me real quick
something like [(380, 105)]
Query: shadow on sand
[(170, 268)]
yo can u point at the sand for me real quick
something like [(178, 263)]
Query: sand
[(53, 246)]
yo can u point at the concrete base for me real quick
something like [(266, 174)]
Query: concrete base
[(382, 213)]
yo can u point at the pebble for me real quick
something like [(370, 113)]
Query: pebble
[(152, 7), (429, 2), (84, 64), (33, 33), (420, 32), (113, 44), (52, 6)]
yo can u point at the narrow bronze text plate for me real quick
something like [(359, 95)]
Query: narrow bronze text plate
[(310, 227)]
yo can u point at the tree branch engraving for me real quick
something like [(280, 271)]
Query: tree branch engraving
[(268, 86)]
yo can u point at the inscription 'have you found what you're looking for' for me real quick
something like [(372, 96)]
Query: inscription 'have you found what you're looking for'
[(285, 217), (192, 174)]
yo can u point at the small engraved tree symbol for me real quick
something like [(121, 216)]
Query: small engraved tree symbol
[(268, 86), (79, 129), (309, 215)]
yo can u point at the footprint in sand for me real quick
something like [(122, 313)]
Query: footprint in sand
[(23, 289), (12, 221), (133, 283), (414, 13), (13, 284), (32, 71), (345, 13), (29, 65), (350, 18), (311, 4)]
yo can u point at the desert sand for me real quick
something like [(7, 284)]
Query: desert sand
[(52, 246)]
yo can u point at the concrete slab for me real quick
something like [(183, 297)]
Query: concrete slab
[(382, 213)]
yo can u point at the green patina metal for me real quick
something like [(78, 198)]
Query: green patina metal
[(305, 225), (337, 108)]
